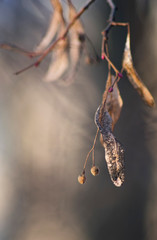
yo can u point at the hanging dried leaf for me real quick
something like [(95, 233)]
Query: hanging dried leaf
[(59, 63), (59, 59), (114, 152), (133, 76), (114, 103), (51, 32), (77, 42), (56, 21)]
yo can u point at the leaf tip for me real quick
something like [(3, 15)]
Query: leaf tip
[(118, 182)]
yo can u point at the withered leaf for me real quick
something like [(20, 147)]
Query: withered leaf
[(77, 41), (114, 151), (133, 76), (59, 63), (114, 103), (51, 32), (59, 59), (57, 20)]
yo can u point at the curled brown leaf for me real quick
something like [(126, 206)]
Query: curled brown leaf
[(59, 59), (59, 63), (77, 42), (133, 75), (114, 103), (56, 21)]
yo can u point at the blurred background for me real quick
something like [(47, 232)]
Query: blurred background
[(46, 130)]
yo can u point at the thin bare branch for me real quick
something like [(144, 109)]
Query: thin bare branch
[(105, 35), (88, 154), (104, 56), (24, 69), (12, 47)]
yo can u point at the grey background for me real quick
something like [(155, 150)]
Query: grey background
[(46, 131)]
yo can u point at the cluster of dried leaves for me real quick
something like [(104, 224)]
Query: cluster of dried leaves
[(68, 51), (65, 40)]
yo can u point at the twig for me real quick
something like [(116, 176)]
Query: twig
[(109, 26), (12, 47), (104, 56), (105, 35), (90, 150)]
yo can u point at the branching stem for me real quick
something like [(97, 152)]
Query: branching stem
[(88, 154)]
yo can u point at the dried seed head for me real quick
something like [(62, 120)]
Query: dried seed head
[(81, 179), (95, 171)]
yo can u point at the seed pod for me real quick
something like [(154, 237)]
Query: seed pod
[(95, 170), (114, 152), (81, 178)]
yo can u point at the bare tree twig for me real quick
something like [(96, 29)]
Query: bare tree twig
[(111, 17), (105, 35), (91, 150), (110, 20), (12, 47)]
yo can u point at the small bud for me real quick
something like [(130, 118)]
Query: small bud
[(81, 179), (120, 75), (95, 171), (110, 89), (36, 64), (102, 57)]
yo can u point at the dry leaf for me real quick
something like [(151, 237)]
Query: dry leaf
[(114, 103), (51, 32), (59, 63), (59, 59), (77, 41), (57, 20), (114, 151), (133, 76)]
